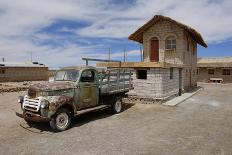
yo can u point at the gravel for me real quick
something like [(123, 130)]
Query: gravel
[(200, 125)]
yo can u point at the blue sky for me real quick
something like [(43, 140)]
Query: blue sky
[(59, 33)]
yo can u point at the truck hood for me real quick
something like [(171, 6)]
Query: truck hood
[(51, 86)]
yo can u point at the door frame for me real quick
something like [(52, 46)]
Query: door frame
[(93, 86), (150, 42), (180, 82)]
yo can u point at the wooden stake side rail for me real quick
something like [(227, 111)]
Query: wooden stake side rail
[(116, 81)]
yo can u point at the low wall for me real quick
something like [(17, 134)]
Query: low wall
[(17, 74), (203, 75)]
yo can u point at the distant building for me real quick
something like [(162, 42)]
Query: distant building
[(215, 69), (12, 72), (169, 58)]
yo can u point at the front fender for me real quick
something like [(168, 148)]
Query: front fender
[(58, 101)]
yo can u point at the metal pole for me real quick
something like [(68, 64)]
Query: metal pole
[(109, 54), (31, 56), (124, 54), (141, 52)]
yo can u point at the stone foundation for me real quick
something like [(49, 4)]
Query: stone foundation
[(158, 85)]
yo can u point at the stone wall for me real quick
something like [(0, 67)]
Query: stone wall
[(23, 74), (203, 75), (170, 86), (158, 84), (181, 55)]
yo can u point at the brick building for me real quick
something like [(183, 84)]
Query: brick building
[(11, 72), (169, 64), (215, 69)]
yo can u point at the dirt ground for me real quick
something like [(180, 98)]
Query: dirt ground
[(16, 86), (200, 125)]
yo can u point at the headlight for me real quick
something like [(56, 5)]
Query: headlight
[(20, 99), (44, 104)]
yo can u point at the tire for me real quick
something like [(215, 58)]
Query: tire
[(117, 105), (61, 120)]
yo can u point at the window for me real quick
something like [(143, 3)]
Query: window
[(141, 74), (171, 43), (197, 71), (211, 71), (87, 76), (67, 75), (171, 73), (188, 45), (226, 72), (2, 71)]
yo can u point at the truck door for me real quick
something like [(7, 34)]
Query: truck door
[(88, 89)]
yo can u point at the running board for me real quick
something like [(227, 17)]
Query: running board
[(92, 109)]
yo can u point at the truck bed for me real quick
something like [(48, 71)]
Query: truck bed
[(114, 81)]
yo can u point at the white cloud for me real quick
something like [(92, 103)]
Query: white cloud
[(19, 20)]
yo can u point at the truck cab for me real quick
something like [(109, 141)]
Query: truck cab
[(74, 91)]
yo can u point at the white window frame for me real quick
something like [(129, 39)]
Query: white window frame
[(171, 45)]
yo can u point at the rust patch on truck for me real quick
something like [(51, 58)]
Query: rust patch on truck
[(51, 86), (57, 101)]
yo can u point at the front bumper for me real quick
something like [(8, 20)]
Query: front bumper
[(28, 116)]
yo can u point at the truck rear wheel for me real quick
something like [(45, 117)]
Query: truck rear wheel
[(117, 105), (61, 120)]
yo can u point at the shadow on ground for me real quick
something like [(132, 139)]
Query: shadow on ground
[(194, 89), (44, 128)]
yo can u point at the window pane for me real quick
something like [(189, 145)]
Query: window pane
[(226, 72), (170, 43), (169, 46), (211, 71), (174, 46)]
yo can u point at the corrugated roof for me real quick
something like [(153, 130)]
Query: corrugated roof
[(215, 62), (138, 35)]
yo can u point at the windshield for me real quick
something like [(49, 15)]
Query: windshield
[(67, 75)]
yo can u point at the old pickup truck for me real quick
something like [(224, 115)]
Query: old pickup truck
[(74, 91)]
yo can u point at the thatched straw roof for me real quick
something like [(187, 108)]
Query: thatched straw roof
[(219, 62), (138, 35)]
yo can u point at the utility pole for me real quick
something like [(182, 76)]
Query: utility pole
[(124, 52), (141, 52), (31, 56), (109, 54), (126, 55)]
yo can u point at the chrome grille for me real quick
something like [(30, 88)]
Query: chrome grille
[(31, 104)]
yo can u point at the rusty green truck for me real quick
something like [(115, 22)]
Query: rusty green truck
[(74, 91)]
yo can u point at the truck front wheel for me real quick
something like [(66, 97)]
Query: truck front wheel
[(117, 105), (61, 120)]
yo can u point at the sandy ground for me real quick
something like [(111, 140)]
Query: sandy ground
[(200, 125)]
